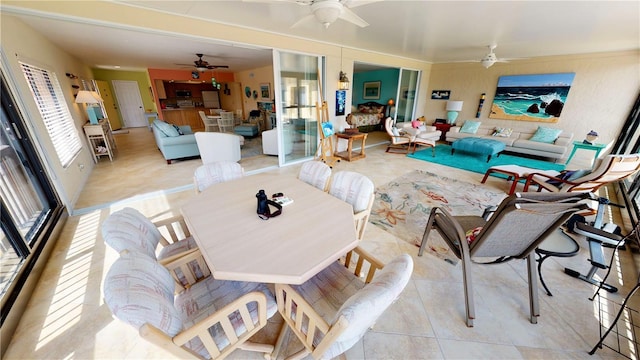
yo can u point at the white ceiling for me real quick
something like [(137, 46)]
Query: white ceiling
[(433, 31)]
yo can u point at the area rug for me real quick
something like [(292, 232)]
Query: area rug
[(478, 163), (402, 206)]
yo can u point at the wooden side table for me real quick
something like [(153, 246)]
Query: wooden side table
[(444, 128), (100, 136), (349, 155)]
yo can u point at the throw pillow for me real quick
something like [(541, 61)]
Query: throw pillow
[(546, 135), (415, 124), (502, 132), (178, 129), (166, 128), (470, 127)]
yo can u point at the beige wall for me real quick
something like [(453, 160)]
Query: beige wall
[(601, 96), (33, 48), (253, 78)]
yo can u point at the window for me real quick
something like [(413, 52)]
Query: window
[(55, 113)]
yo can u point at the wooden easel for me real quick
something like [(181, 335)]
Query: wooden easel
[(325, 150)]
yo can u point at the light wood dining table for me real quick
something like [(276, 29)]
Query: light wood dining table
[(311, 233)]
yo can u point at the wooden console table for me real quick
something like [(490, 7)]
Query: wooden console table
[(100, 139), (349, 155)]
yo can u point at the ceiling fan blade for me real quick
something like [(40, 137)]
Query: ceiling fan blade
[(351, 17), (218, 66), (302, 20), (355, 3)]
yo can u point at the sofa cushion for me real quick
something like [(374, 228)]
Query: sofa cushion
[(546, 135), (470, 127), (539, 146), (179, 140), (166, 128)]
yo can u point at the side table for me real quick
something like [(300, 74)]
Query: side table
[(443, 128), (593, 147), (100, 139), (349, 155)]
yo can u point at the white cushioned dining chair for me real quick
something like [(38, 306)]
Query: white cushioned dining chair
[(315, 173), (357, 190), (208, 321), (332, 311), (128, 230), (217, 172)]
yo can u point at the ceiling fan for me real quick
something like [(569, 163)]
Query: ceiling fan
[(488, 60), (328, 11), (203, 65)]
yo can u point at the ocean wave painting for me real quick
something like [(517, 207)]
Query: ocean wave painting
[(531, 97)]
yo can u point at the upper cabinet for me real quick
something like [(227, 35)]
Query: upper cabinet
[(162, 94)]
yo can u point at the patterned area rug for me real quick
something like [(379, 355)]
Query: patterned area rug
[(402, 206)]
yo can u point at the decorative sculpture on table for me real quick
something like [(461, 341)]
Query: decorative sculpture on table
[(591, 137)]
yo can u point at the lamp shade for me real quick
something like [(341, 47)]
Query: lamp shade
[(88, 97), (454, 105)]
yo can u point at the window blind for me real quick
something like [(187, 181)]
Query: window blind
[(50, 100)]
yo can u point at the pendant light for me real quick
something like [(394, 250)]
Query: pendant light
[(343, 80)]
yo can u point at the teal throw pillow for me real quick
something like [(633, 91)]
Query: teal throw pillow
[(470, 127), (546, 135), (166, 128)]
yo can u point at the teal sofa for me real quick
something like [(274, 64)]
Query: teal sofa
[(175, 142)]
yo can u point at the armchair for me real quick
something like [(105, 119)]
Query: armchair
[(139, 292), (171, 144), (518, 225), (400, 142), (210, 124), (328, 325), (215, 146), (213, 173)]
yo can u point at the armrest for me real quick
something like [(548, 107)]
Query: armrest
[(541, 179), (374, 264), (175, 227), (183, 270), (224, 317)]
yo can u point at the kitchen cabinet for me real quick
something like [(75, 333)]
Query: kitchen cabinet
[(188, 116), (162, 94)]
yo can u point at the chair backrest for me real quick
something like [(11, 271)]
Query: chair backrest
[(518, 227), (128, 229), (353, 188), (315, 173), (216, 147), (612, 168), (213, 173), (363, 309), (388, 126), (226, 121)]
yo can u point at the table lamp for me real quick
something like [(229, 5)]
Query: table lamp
[(390, 108), (452, 110), (91, 98)]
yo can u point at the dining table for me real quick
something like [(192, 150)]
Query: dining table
[(313, 230)]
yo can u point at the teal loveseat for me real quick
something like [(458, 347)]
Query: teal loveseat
[(175, 142)]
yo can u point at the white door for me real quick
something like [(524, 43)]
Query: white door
[(130, 103)]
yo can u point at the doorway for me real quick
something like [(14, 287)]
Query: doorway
[(130, 102)]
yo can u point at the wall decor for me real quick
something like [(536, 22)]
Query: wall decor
[(255, 94), (538, 98), (371, 90), (341, 102), (265, 91), (480, 104), (440, 94), (247, 91)]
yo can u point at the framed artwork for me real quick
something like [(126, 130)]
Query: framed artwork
[(265, 91), (531, 97), (341, 102), (440, 94), (371, 90)]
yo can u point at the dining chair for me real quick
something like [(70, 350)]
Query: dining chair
[(226, 122), (209, 124), (217, 172), (332, 311), (400, 142), (612, 168), (208, 321), (357, 190), (216, 146), (128, 230), (315, 173), (519, 224)]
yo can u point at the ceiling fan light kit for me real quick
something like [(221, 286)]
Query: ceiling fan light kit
[(327, 12)]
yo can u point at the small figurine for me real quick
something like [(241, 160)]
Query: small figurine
[(591, 137)]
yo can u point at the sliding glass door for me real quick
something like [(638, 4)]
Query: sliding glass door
[(408, 88), (297, 93)]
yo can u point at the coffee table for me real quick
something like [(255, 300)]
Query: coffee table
[(310, 234), (477, 145)]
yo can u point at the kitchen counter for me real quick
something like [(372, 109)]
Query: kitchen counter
[(185, 116)]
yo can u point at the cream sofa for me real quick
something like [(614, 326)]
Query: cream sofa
[(518, 142)]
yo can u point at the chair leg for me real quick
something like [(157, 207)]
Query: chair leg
[(533, 288), (427, 231), (468, 290)]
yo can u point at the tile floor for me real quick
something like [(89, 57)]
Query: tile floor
[(67, 318)]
